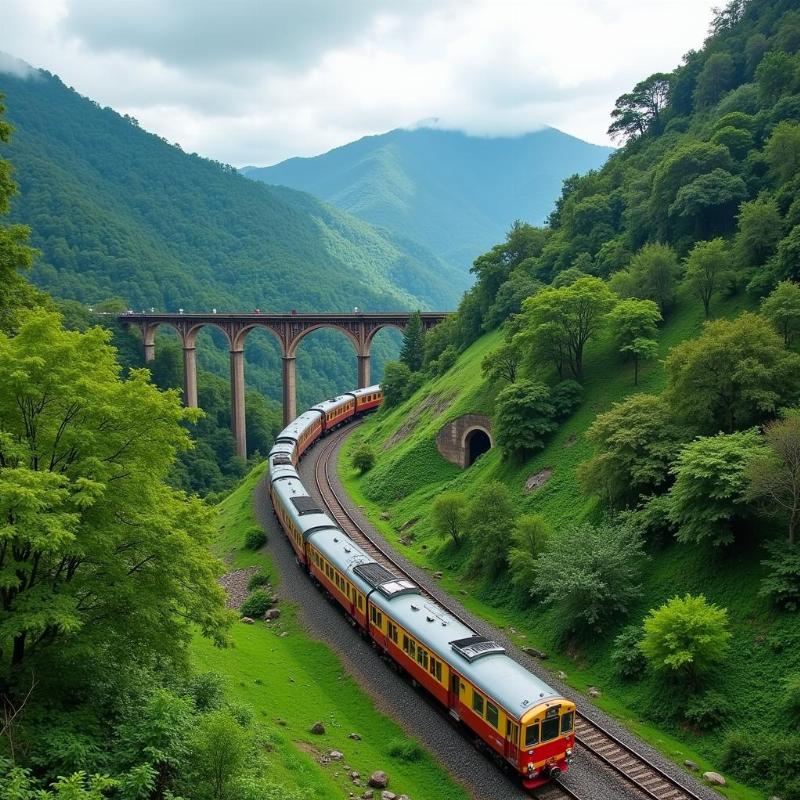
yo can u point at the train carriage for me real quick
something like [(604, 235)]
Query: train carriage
[(299, 515), (336, 411), (303, 432), (367, 399)]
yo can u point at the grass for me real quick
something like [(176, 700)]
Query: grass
[(291, 681), (409, 473)]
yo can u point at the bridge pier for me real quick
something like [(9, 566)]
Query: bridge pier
[(189, 376), (363, 371), (289, 389), (237, 402)]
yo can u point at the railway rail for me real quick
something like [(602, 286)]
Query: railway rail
[(633, 767)]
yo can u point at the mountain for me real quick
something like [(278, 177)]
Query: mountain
[(454, 194)]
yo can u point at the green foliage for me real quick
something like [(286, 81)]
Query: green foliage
[(406, 750), (736, 374), (255, 539), (627, 656), (791, 695), (715, 79), (774, 764), (256, 604), (363, 458), (652, 275), (782, 309), (639, 111), (591, 575), (708, 498), (489, 520), (524, 415), (633, 323), (529, 540), (448, 515), (686, 637), (257, 580), (707, 270), (219, 748), (759, 230), (782, 151), (781, 582), (565, 397), (502, 363), (399, 383), (413, 349), (708, 710)]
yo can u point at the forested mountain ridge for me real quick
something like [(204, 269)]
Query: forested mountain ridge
[(454, 193)]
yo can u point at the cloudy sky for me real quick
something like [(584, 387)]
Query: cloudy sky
[(257, 81)]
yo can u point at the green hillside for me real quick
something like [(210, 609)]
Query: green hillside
[(455, 194), (652, 552)]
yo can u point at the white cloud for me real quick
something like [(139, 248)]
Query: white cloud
[(256, 81)]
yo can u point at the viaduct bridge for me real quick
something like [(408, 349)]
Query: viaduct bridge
[(289, 329)]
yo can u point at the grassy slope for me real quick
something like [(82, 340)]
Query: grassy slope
[(283, 675), (410, 473)]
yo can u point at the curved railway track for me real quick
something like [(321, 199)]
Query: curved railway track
[(634, 768)]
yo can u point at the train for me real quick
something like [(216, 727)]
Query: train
[(528, 727)]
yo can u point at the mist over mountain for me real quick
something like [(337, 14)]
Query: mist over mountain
[(453, 193)]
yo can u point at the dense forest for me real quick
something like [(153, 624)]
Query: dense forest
[(638, 357)]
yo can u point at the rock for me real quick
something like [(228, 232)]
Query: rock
[(562, 676), (368, 795), (403, 797), (247, 620), (354, 736), (385, 515), (336, 755), (538, 480), (462, 591), (271, 614), (715, 778), (689, 764), (379, 780), (388, 796), (592, 692), (437, 576), (318, 729), (283, 634), (532, 651), (354, 776)]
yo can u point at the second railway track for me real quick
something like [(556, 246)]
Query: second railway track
[(633, 767)]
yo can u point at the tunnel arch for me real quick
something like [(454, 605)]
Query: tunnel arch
[(477, 441)]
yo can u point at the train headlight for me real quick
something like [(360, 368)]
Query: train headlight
[(569, 752)]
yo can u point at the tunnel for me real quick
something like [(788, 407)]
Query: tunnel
[(476, 444)]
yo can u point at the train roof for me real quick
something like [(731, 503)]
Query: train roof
[(343, 553), (481, 661), (279, 471), (366, 390), (293, 430), (334, 402), (305, 512)]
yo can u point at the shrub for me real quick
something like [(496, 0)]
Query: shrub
[(791, 695), (405, 750), (565, 397), (255, 539), (529, 540), (707, 710), (257, 580), (207, 690), (256, 604), (523, 418), (489, 519), (627, 656), (782, 581), (448, 512), (363, 458)]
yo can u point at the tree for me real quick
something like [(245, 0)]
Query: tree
[(639, 111), (773, 475), (735, 374), (502, 363), (569, 316), (529, 540), (412, 351), (219, 749), (774, 76), (636, 442), (782, 309), (787, 259), (738, 141), (591, 574), (634, 324), (398, 383), (781, 582), (759, 230), (652, 275), (708, 497), (524, 415), (782, 151), (95, 550), (715, 79), (489, 519), (710, 202), (707, 269), (686, 637), (448, 513), (363, 458)]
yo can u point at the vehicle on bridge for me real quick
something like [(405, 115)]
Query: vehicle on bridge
[(527, 726)]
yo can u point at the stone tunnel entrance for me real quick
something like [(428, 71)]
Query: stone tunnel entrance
[(462, 440)]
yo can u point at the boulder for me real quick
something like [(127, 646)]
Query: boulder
[(336, 755), (271, 614), (437, 576), (689, 764), (388, 796), (532, 651), (368, 795), (354, 775), (354, 736), (247, 620), (379, 780), (715, 778), (318, 729), (562, 676)]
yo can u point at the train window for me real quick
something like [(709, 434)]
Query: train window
[(412, 648), (492, 717), (477, 703), (549, 729), (405, 643), (422, 658), (360, 602), (532, 735), (438, 671), (566, 722)]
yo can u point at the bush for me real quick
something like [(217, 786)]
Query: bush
[(775, 763), (257, 580), (565, 397), (523, 418), (255, 539), (791, 695), (256, 604), (405, 750), (447, 515), (488, 522), (627, 656), (363, 458), (207, 690), (782, 581), (529, 540), (707, 711)]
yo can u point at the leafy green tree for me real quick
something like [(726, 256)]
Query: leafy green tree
[(715, 79), (591, 575), (782, 151), (652, 275), (709, 202), (686, 637), (709, 495), (759, 231), (565, 397), (774, 76), (95, 547), (363, 458), (773, 475), (640, 110), (524, 415), (502, 363), (448, 515), (529, 540), (398, 383), (738, 141), (788, 256), (736, 373), (627, 657), (489, 521), (781, 582), (634, 325), (636, 442), (219, 749), (707, 269), (412, 351), (570, 316), (782, 309)]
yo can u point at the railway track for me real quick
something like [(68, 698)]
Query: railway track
[(634, 768)]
